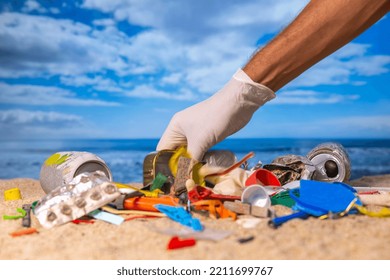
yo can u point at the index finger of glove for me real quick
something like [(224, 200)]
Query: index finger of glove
[(171, 140)]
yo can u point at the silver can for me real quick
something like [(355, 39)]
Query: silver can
[(60, 168), (331, 161)]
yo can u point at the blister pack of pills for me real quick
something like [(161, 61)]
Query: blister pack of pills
[(85, 193)]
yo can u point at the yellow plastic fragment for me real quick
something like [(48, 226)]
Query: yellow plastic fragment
[(174, 160), (383, 213), (155, 193), (12, 194)]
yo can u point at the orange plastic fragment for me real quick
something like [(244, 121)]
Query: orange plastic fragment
[(24, 232), (147, 203), (215, 208)]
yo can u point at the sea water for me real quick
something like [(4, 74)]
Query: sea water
[(124, 157)]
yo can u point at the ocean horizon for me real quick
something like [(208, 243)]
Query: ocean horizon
[(124, 157)]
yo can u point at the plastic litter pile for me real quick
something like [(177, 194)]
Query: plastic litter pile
[(79, 188)]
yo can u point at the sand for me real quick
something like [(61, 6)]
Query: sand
[(353, 237)]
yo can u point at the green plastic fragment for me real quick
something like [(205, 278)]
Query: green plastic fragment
[(20, 210), (284, 198), (158, 181), (33, 205)]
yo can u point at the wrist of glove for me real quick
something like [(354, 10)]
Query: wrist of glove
[(202, 125)]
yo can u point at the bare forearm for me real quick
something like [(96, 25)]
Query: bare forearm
[(319, 30)]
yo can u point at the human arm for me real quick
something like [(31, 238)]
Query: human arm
[(320, 29)]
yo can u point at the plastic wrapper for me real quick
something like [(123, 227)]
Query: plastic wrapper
[(85, 193), (220, 158)]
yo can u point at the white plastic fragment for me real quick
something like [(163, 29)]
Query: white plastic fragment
[(248, 223)]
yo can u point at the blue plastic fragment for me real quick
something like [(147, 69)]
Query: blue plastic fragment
[(180, 215), (275, 222), (320, 198), (107, 217)]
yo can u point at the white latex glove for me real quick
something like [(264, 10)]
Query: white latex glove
[(203, 125)]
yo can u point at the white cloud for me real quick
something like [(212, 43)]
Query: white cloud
[(24, 124), (23, 117), (44, 95), (147, 91), (208, 44), (205, 44), (38, 46), (184, 44), (172, 79), (54, 10), (31, 6), (189, 21), (104, 22), (310, 97), (34, 6)]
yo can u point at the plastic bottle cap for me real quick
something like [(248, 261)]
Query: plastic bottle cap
[(12, 194)]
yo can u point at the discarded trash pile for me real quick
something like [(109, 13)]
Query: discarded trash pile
[(79, 188)]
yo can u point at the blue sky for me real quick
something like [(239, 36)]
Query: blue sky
[(122, 69)]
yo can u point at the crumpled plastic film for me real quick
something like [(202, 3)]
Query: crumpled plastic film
[(227, 181), (290, 168)]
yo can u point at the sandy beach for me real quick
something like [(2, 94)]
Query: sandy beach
[(352, 237)]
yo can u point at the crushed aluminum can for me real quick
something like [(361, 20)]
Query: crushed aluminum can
[(331, 161), (85, 193), (290, 168)]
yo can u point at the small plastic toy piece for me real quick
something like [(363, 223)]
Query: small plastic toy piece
[(180, 215), (176, 243), (12, 194)]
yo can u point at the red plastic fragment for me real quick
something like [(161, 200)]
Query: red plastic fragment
[(176, 243), (369, 192), (201, 193), (140, 217), (263, 177), (80, 221)]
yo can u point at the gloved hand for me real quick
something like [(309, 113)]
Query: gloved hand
[(203, 125)]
